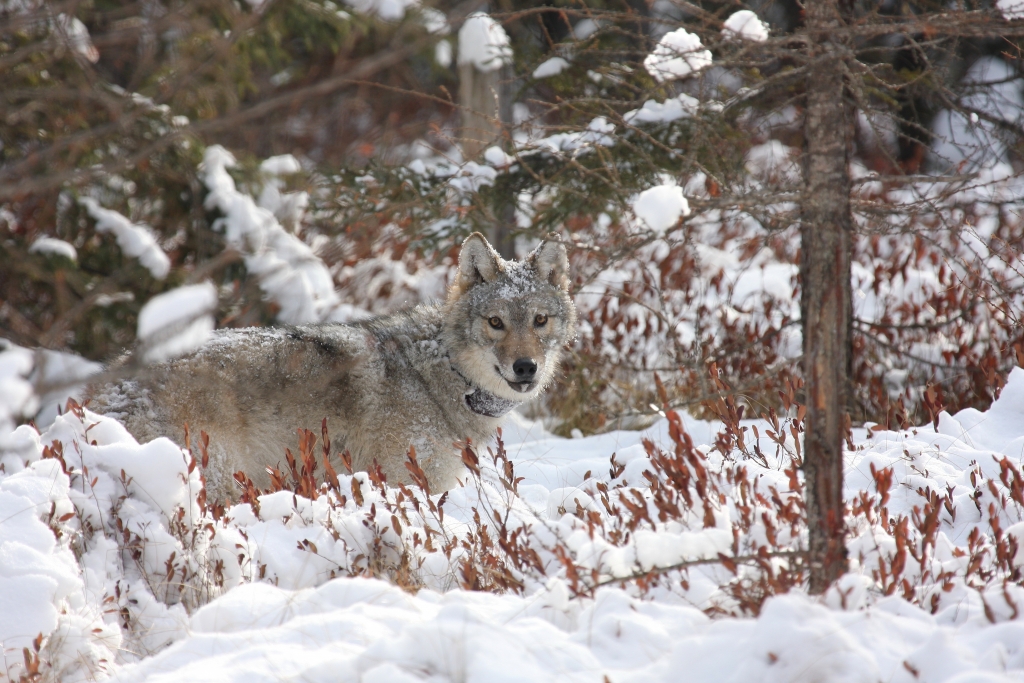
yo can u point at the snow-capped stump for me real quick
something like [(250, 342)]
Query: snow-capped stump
[(483, 43), (677, 55)]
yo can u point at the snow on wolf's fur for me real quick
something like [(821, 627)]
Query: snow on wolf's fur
[(108, 546)]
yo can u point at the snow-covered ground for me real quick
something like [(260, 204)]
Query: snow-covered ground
[(109, 552)]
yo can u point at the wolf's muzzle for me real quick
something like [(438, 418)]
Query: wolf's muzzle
[(525, 369)]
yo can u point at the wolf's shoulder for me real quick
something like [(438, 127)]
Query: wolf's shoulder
[(403, 332), (421, 323), (418, 322)]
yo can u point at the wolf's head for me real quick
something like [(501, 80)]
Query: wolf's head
[(506, 322)]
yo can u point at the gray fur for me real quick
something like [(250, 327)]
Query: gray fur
[(382, 384)]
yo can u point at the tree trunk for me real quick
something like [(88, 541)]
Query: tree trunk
[(486, 111), (826, 241)]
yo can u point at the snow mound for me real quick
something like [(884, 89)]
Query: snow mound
[(366, 630)]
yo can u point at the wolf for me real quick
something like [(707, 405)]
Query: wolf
[(428, 377)]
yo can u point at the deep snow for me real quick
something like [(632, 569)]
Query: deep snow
[(78, 590)]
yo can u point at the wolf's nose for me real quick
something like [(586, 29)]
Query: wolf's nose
[(525, 369)]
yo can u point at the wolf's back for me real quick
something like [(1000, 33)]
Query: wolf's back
[(382, 384)]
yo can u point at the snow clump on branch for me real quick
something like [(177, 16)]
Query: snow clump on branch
[(677, 55), (290, 273), (17, 398), (177, 322), (1011, 9), (52, 245), (551, 67), (135, 240), (388, 10), (745, 25), (661, 207), (681, 107)]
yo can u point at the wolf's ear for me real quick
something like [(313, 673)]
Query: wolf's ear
[(551, 263), (478, 262)]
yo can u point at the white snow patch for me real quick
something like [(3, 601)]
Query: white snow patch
[(435, 21), (283, 164), (496, 156), (288, 207), (52, 245), (443, 53), (745, 25), (585, 28), (772, 159), (550, 67), (37, 383), (17, 397), (992, 87), (177, 322), (674, 108), (677, 55), (388, 10), (1011, 9), (661, 207), (137, 241)]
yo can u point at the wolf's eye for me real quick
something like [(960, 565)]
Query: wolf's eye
[(540, 320), (495, 322)]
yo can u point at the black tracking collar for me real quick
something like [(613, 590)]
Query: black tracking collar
[(483, 402)]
